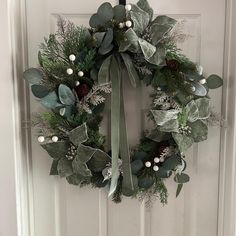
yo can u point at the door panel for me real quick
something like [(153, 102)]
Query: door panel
[(64, 210)]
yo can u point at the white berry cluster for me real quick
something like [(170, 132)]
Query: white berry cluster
[(41, 139), (128, 23), (185, 130), (155, 167), (70, 71), (72, 151)]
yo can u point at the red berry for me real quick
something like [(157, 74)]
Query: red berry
[(82, 90)]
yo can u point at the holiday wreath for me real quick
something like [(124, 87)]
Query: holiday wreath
[(79, 66)]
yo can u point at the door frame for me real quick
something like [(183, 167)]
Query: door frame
[(22, 134)]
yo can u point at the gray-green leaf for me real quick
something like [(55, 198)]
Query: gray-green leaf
[(214, 81), (181, 179), (33, 75), (39, 91), (66, 96), (50, 101)]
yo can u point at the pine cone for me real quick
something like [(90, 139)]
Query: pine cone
[(172, 64)]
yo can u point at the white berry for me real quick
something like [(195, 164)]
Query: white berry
[(156, 160), (41, 139), (202, 81), (62, 111), (72, 57), (77, 83), (128, 23), (193, 89), (121, 25), (54, 139), (148, 164), (69, 71), (162, 159), (128, 7), (155, 168), (200, 70), (80, 73)]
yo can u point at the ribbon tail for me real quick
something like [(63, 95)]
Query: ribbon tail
[(127, 183), (115, 76)]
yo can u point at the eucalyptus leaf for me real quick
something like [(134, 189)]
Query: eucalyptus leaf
[(133, 75), (163, 173), (181, 179), (199, 89), (64, 167), (50, 101), (96, 21), (171, 162), (33, 76), (66, 96), (140, 155), (136, 166), (39, 91), (178, 190), (214, 81), (99, 36), (106, 11), (119, 13), (145, 182)]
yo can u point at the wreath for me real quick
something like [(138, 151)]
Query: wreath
[(79, 67)]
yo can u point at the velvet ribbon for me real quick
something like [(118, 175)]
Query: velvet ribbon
[(119, 138)]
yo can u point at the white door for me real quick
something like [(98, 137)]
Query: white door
[(60, 209)]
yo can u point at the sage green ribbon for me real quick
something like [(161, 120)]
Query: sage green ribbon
[(119, 138)]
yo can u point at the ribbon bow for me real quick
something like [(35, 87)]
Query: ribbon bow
[(111, 72)]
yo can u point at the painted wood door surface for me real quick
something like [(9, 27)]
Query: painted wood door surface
[(60, 209)]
